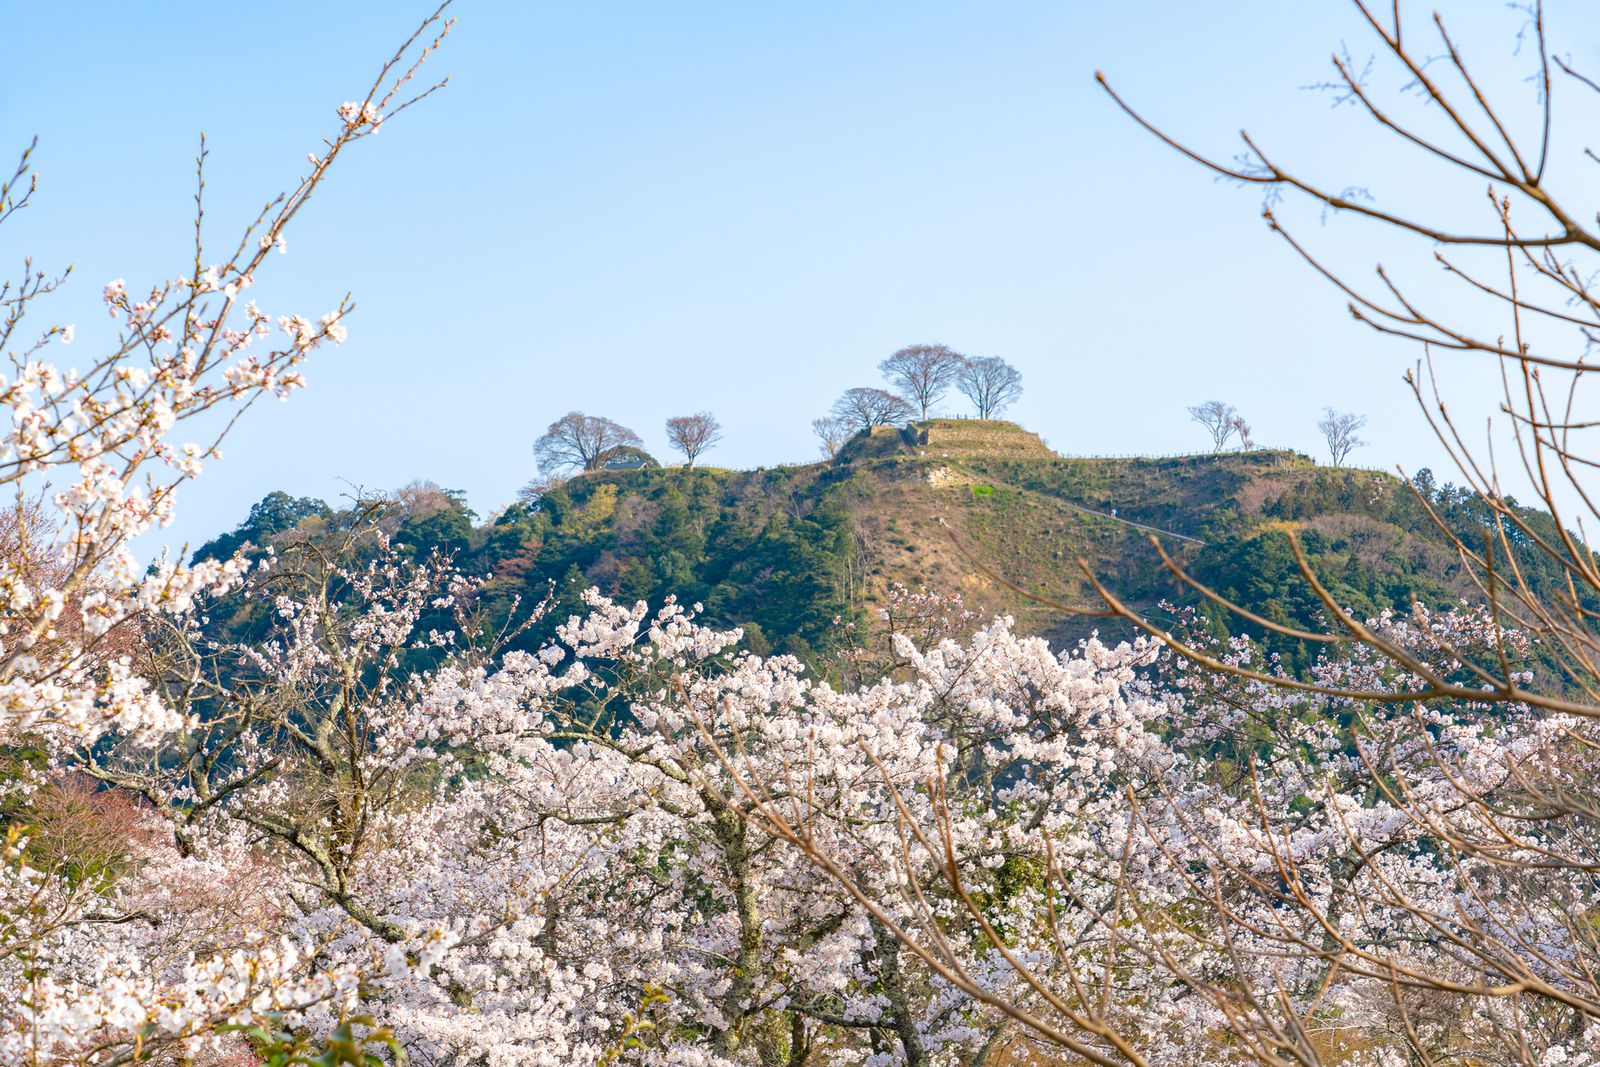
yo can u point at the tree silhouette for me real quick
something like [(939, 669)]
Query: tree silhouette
[(581, 441)]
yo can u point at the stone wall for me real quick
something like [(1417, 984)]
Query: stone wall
[(968, 437)]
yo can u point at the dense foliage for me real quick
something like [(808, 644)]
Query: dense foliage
[(769, 551), (780, 552)]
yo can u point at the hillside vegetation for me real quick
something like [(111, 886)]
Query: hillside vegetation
[(784, 551)]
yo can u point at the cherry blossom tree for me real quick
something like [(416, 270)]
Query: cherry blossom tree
[(1195, 902), (557, 813), (110, 968)]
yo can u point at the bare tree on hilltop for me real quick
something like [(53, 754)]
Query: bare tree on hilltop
[(539, 487), (576, 440), (990, 383), (693, 434), (1221, 421), (865, 408), (1242, 428), (833, 432), (923, 373), (1340, 432)]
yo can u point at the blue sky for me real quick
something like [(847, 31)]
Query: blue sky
[(642, 210)]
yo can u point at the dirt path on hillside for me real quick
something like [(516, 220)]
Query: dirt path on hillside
[(1102, 514)]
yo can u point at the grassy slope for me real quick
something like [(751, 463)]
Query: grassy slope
[(923, 504), (925, 509), (792, 549)]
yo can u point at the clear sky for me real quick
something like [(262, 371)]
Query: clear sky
[(645, 209)]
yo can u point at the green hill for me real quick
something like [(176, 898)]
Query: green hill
[(787, 551)]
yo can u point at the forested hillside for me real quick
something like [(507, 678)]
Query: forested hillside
[(785, 551), (836, 764)]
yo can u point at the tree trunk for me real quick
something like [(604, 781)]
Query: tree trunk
[(900, 1018), (732, 835)]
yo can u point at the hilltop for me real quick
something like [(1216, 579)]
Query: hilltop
[(785, 551)]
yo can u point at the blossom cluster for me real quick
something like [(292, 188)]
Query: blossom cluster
[(137, 951)]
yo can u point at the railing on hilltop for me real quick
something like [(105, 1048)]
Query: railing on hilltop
[(1311, 460)]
